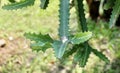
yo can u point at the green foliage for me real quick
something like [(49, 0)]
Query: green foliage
[(18, 5), (82, 55), (64, 19), (82, 22), (71, 51), (109, 4), (60, 48), (44, 4), (40, 46), (38, 37), (67, 43), (81, 37), (100, 55), (85, 55), (80, 15), (115, 5), (115, 13), (86, 50), (12, 1), (41, 42)]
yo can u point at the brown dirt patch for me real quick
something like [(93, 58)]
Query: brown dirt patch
[(13, 46)]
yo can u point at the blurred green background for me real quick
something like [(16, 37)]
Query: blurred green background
[(17, 57)]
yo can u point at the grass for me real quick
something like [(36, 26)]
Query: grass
[(18, 57), (13, 24), (30, 19)]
